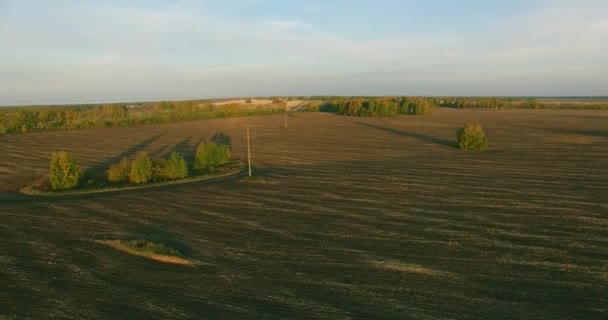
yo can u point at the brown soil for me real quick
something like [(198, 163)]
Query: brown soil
[(364, 218)]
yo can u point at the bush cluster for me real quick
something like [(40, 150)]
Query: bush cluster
[(472, 137), (141, 169), (210, 155), (64, 171), (119, 172), (172, 168)]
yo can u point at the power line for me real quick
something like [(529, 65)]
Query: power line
[(248, 150)]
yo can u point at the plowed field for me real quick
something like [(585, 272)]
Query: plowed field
[(355, 218)]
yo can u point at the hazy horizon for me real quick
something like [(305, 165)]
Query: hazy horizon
[(86, 52)]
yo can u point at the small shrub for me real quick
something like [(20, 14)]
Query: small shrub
[(158, 169), (64, 171), (210, 155), (149, 247), (119, 172), (248, 100), (175, 167), (472, 137), (141, 169)]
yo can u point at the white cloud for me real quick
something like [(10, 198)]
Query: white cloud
[(102, 60), (289, 24), (102, 51)]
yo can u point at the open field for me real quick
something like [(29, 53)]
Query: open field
[(362, 218), (291, 104)]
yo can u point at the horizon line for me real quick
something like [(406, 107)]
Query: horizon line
[(127, 101)]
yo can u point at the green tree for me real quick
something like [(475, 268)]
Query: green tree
[(119, 172), (472, 137), (175, 167), (141, 169), (423, 107), (64, 171), (210, 155), (159, 167)]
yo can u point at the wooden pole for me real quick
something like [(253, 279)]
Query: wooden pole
[(248, 152), (285, 127)]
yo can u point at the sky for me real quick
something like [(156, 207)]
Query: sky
[(76, 51)]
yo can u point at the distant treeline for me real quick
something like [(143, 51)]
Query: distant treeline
[(375, 107), (520, 103), (30, 119), (388, 106), (44, 118)]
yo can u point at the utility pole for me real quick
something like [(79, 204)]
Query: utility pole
[(285, 127), (248, 151)]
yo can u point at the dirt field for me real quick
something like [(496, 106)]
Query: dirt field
[(358, 218), (290, 104)]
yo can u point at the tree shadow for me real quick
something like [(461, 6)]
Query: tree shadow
[(418, 136), (162, 151), (159, 234), (592, 117), (188, 149), (184, 148), (101, 167), (591, 133), (221, 138)]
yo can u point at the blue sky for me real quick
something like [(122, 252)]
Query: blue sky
[(88, 51)]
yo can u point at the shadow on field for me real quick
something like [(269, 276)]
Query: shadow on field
[(591, 133), (104, 165), (188, 150), (185, 149), (592, 117), (418, 136), (221, 138), (159, 234)]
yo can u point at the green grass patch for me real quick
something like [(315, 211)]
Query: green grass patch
[(148, 249)]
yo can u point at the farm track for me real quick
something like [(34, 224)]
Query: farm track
[(364, 218)]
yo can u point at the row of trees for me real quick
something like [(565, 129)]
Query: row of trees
[(474, 102), (468, 102), (520, 103), (376, 107), (141, 169), (29, 119), (65, 173)]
